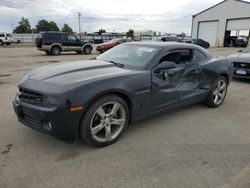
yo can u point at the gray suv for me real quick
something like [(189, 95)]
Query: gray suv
[(53, 43)]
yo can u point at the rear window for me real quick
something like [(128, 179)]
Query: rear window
[(53, 37)]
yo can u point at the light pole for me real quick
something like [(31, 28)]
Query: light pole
[(79, 19)]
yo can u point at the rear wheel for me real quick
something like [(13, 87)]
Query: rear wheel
[(55, 50), (218, 92), (105, 121), (87, 50)]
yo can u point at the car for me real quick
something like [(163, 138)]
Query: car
[(241, 62), (96, 99), (202, 43), (241, 41), (53, 43), (165, 38), (6, 38), (110, 44)]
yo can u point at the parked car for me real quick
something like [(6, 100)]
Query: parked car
[(110, 44), (96, 99), (165, 38), (201, 42), (6, 38), (241, 62), (56, 42), (241, 41)]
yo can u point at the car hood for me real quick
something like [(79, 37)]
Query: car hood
[(105, 44), (240, 57), (76, 71)]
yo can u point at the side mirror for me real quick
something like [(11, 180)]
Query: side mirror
[(166, 65), (162, 69), (240, 50)]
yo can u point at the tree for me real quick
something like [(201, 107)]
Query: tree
[(130, 33), (183, 35), (44, 25), (66, 28), (101, 31), (23, 27)]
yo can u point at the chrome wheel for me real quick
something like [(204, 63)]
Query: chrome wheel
[(87, 50), (219, 91), (108, 121), (55, 50)]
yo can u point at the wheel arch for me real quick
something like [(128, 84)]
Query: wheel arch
[(56, 44), (226, 76), (119, 93)]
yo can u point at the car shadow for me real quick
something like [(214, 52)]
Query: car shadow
[(241, 80)]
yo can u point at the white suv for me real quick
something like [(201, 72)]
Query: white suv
[(6, 39)]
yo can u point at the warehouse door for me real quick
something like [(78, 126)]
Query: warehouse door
[(208, 31), (238, 24)]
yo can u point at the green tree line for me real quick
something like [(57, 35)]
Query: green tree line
[(42, 25)]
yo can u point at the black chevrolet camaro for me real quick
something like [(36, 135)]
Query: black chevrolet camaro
[(96, 99)]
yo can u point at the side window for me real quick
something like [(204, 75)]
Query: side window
[(198, 56), (72, 38), (1, 35), (178, 56)]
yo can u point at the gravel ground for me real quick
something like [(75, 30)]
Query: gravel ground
[(192, 147)]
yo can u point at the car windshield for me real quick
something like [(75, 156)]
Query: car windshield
[(113, 40), (9, 35), (246, 50), (129, 55)]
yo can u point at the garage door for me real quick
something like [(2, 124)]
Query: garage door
[(208, 31), (239, 24)]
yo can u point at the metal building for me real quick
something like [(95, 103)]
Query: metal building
[(222, 22)]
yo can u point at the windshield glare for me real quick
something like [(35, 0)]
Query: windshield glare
[(129, 55), (113, 40)]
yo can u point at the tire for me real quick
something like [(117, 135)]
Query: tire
[(55, 50), (1, 42), (87, 49), (98, 121), (8, 43), (217, 93), (47, 52)]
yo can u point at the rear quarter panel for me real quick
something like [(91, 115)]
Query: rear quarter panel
[(214, 68)]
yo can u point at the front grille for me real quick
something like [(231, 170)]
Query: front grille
[(242, 65), (30, 97)]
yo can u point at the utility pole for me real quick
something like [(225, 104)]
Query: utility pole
[(79, 19)]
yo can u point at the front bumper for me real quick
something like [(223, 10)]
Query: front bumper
[(64, 124)]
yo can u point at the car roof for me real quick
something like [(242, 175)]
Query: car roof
[(55, 32), (171, 46), (164, 44)]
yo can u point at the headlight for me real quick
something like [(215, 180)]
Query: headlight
[(51, 100)]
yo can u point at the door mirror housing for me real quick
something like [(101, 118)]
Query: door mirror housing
[(161, 70), (166, 65)]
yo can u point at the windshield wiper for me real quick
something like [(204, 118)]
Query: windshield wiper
[(117, 64)]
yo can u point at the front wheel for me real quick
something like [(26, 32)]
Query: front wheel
[(87, 50), (105, 121), (218, 92)]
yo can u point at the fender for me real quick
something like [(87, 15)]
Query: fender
[(58, 44)]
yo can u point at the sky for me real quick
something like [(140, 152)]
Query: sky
[(165, 16)]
